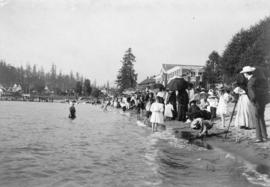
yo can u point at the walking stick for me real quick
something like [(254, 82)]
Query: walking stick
[(231, 118)]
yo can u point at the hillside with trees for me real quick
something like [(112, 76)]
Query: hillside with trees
[(35, 79), (247, 47)]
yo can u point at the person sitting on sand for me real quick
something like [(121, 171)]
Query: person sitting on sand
[(193, 111), (202, 125), (203, 102), (72, 111)]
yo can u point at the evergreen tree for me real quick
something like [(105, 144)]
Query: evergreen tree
[(87, 87), (127, 78), (96, 92), (78, 88), (212, 73), (35, 79)]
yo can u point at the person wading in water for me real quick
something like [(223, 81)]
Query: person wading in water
[(72, 111)]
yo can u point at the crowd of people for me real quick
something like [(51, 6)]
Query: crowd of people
[(200, 107), (154, 106)]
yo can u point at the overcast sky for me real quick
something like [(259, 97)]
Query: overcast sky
[(91, 36)]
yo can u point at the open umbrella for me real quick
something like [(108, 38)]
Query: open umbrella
[(177, 84)]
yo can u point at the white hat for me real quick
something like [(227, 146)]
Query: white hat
[(248, 69)]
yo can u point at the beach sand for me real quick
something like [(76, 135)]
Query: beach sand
[(257, 154)]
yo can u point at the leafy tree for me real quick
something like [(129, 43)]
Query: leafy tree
[(87, 87), (127, 78), (212, 73), (247, 47)]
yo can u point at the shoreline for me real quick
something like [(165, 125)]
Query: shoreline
[(255, 155)]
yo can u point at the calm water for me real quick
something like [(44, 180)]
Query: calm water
[(40, 146)]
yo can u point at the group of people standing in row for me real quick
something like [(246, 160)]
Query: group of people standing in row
[(201, 107)]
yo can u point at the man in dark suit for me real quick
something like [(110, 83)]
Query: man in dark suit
[(256, 87)]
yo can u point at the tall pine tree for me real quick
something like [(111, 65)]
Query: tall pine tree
[(212, 73), (127, 78)]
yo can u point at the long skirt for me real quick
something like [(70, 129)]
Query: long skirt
[(181, 112), (246, 113)]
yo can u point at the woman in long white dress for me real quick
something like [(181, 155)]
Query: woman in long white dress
[(245, 110), (245, 116)]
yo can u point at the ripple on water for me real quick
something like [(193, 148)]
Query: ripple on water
[(97, 149)]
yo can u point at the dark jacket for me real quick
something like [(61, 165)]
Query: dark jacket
[(258, 90), (182, 97)]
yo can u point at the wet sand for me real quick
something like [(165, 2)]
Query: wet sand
[(257, 154)]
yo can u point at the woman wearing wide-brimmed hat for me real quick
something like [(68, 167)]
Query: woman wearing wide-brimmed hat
[(257, 89), (246, 112)]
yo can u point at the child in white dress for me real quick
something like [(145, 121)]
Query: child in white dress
[(157, 117), (222, 109), (213, 104), (169, 111)]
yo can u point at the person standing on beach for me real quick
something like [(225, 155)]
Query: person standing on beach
[(222, 109), (157, 109), (213, 103), (168, 111), (246, 112), (257, 89), (182, 107)]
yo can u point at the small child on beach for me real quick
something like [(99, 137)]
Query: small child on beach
[(222, 109), (213, 103), (148, 102), (169, 111), (204, 102), (157, 117)]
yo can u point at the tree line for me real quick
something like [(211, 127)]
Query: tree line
[(35, 79), (247, 47)]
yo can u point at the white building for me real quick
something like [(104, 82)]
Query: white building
[(192, 73)]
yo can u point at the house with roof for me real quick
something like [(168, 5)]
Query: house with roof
[(148, 82), (191, 73)]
